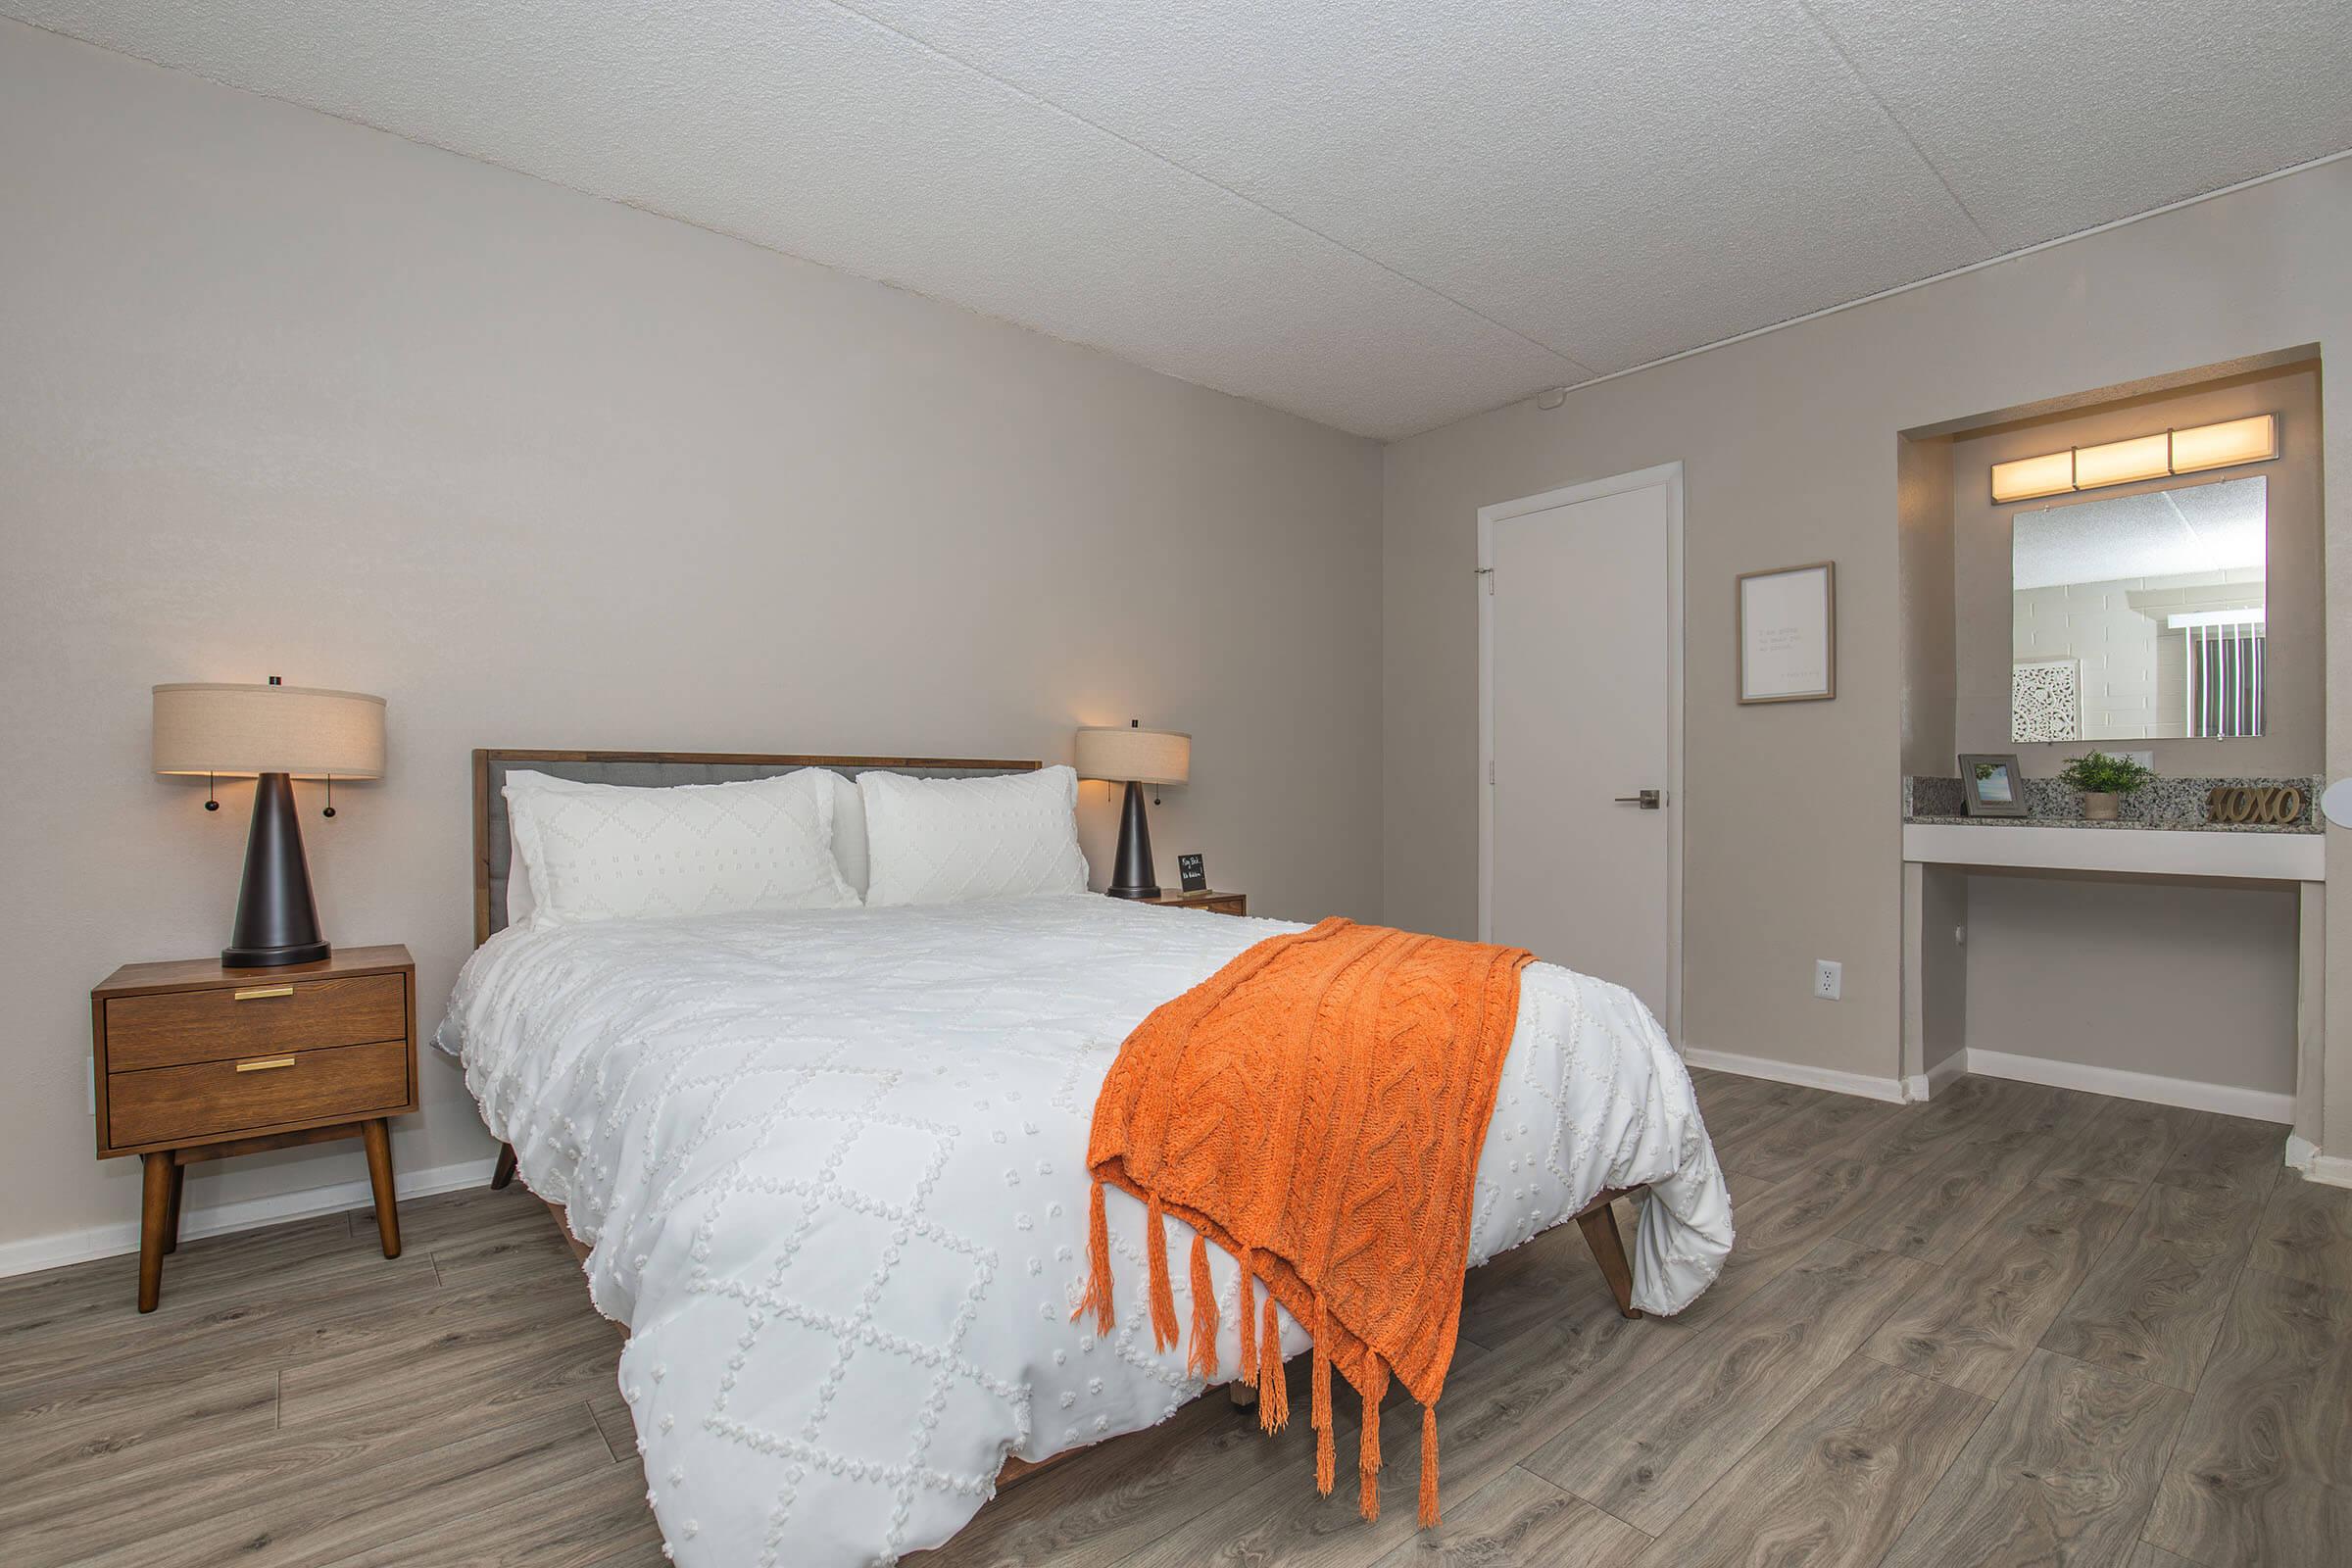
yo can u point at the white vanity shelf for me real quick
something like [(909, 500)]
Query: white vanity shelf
[(2274, 856), (1951, 848)]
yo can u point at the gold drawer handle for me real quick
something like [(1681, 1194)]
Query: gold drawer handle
[(259, 992), (264, 1064)]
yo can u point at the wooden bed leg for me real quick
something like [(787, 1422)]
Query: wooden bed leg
[(1245, 1397), (1599, 1225), (505, 1172)]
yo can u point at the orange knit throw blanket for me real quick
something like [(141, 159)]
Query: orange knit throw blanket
[(1316, 1108)]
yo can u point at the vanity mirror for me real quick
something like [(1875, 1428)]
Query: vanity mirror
[(2141, 617)]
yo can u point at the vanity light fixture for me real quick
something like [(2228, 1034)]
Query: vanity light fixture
[(2254, 440)]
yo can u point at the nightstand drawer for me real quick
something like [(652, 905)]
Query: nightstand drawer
[(180, 1105), (257, 1019)]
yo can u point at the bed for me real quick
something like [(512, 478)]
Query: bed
[(826, 1168)]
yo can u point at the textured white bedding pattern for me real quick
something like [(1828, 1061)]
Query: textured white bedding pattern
[(955, 840), (610, 852), (833, 1167)]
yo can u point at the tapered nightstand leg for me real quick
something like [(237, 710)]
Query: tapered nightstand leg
[(378, 1135), (154, 1208), (504, 1171), (179, 1176)]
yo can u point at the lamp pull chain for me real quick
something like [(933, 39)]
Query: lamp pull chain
[(330, 795), (210, 804)]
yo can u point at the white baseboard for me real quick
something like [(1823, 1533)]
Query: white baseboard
[(2254, 1104), (37, 1253), (1923, 1085), (1791, 1072), (2328, 1170)]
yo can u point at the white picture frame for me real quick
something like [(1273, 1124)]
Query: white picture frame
[(1789, 634)]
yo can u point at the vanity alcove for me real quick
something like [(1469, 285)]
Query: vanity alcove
[(2138, 571)]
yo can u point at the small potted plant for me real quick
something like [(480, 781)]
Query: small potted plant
[(2104, 781)]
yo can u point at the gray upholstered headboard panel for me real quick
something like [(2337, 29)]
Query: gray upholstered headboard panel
[(493, 847)]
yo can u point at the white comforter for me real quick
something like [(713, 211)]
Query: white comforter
[(833, 1168)]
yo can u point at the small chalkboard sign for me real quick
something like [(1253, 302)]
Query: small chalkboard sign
[(1188, 868)]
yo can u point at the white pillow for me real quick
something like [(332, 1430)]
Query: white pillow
[(956, 839), (606, 852), (518, 877), (849, 833)]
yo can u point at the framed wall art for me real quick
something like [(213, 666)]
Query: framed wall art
[(1789, 634)]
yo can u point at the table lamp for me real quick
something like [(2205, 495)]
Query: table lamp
[(1135, 757), (275, 734)]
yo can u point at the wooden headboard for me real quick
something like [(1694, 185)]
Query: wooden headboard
[(492, 846)]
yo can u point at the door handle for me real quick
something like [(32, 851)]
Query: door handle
[(1647, 799)]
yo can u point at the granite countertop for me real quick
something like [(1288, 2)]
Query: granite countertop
[(2129, 827)]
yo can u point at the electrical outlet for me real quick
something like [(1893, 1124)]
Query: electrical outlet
[(1829, 979)]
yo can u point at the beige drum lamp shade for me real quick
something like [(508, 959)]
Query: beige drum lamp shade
[(230, 728), (1135, 755)]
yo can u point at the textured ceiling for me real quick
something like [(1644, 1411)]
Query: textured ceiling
[(2162, 533), (1380, 214)]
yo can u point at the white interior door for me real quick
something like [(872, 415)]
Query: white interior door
[(1581, 664)]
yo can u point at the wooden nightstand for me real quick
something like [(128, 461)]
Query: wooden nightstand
[(1213, 901), (195, 1062)]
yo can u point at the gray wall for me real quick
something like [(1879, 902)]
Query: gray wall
[(2193, 981), (2293, 697), (282, 395), (1789, 453)]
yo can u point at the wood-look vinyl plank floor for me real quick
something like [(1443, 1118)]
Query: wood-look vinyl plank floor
[(1978, 1318), (1893, 1368), (2127, 1140), (2227, 1154), (1647, 1451), (2306, 1234), (1782, 1146), (2152, 1303), (1520, 1520), (2263, 1471), (2061, 1471), (1955, 1194), (1835, 1483)]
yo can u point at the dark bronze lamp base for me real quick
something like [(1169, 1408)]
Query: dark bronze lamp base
[(1130, 874), (277, 919)]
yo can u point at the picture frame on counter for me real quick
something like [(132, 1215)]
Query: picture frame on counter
[(1993, 784)]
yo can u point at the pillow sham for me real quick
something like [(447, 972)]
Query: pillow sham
[(960, 840), (849, 833), (610, 852)]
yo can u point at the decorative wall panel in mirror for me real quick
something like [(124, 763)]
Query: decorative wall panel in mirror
[(2141, 617)]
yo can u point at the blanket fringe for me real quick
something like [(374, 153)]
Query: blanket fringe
[(1249, 1365), (1273, 1394), (1367, 1457), (1203, 1361), (1429, 1465), (1097, 1299), (1164, 1335), (1319, 1406)]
